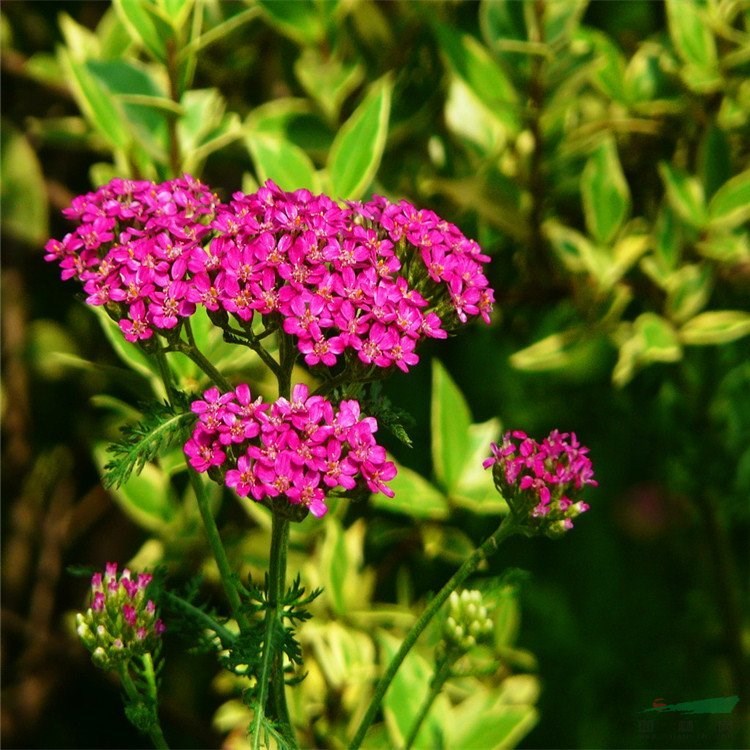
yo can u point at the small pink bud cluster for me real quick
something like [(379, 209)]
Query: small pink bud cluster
[(120, 622), (132, 249), (298, 449), (365, 280), (541, 481)]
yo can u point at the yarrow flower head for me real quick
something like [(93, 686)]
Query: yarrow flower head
[(542, 482), (120, 622), (468, 621), (132, 247), (298, 449), (358, 282)]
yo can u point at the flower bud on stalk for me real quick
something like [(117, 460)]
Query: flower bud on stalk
[(121, 622), (468, 621)]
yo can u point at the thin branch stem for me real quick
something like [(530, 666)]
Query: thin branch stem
[(226, 636), (439, 679), (271, 699), (134, 696), (196, 356), (483, 552), (217, 548)]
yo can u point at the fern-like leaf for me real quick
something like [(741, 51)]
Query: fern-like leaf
[(162, 426)]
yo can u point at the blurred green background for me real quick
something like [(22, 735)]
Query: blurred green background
[(599, 153)]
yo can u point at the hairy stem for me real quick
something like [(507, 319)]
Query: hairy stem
[(483, 552)]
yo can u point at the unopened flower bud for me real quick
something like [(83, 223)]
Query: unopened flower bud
[(121, 622)]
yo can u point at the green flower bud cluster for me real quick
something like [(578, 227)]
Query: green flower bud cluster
[(467, 622), (121, 622)]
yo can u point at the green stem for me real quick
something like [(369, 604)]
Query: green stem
[(271, 700), (226, 636), (196, 356), (287, 356), (166, 374), (134, 696), (436, 685), (483, 552), (217, 548)]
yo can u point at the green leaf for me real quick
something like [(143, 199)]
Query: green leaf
[(146, 498), (414, 496), (327, 79), (485, 720), (300, 20), (501, 21), (141, 100), (730, 205), (292, 120), (576, 252), (145, 26), (562, 18), (607, 68), (475, 489), (467, 116), (471, 62), (667, 238), (161, 428), (406, 694), (334, 564), (716, 327), (685, 195), (554, 352), (688, 291), (450, 420), (205, 126), (95, 102), (358, 146), (714, 159), (649, 339), (445, 542), (177, 10), (23, 202), (726, 248), (128, 352), (281, 161), (659, 338), (695, 44), (606, 197)]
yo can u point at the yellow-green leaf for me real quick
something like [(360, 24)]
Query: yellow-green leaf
[(716, 327), (606, 197), (358, 146), (450, 420), (730, 205), (685, 194)]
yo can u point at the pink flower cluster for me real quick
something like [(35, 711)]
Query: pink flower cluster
[(452, 261), (121, 621), (541, 480), (134, 247), (367, 279), (298, 448)]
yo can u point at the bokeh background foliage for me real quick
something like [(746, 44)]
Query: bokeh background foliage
[(599, 152)]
